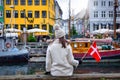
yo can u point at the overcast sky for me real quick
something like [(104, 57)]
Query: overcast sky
[(76, 6)]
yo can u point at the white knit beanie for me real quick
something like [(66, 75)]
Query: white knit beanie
[(56, 26), (58, 31)]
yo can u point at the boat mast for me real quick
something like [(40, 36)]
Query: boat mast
[(3, 33), (115, 15), (69, 21), (24, 29)]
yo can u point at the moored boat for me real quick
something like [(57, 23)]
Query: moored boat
[(14, 56), (9, 53), (108, 51)]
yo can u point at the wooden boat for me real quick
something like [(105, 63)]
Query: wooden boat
[(108, 52)]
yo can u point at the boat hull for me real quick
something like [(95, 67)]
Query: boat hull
[(14, 59), (14, 56), (106, 56)]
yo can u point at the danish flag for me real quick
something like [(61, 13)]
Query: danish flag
[(93, 51)]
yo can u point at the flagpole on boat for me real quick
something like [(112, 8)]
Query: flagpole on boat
[(84, 56)]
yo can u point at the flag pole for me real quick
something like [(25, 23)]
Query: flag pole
[(84, 56)]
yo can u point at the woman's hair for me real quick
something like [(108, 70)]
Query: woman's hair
[(63, 41)]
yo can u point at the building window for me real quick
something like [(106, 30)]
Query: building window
[(22, 26), (1, 2), (15, 26), (37, 2), (16, 14), (1, 13), (118, 13), (95, 26), (95, 3), (103, 26), (111, 14), (110, 3), (22, 14), (103, 3), (103, 14), (15, 2), (8, 26), (8, 2), (30, 27), (44, 14), (22, 2), (43, 2), (110, 26), (44, 27), (95, 14), (8, 14), (36, 26), (37, 14), (29, 14), (29, 2)]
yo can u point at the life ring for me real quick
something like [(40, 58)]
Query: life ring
[(8, 45)]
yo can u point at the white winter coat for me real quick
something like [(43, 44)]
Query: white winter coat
[(60, 61)]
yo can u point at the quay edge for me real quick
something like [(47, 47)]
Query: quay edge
[(90, 76)]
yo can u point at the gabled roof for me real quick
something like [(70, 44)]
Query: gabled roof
[(83, 14)]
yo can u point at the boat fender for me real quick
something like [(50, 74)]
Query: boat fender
[(8, 45)]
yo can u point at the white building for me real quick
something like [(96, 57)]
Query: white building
[(65, 26), (79, 21), (101, 14), (58, 13)]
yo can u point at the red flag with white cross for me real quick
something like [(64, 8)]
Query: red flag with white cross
[(93, 51)]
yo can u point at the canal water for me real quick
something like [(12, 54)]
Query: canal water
[(32, 68)]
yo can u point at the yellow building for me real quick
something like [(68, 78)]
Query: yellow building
[(29, 13)]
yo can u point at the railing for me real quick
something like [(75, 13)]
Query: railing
[(35, 47)]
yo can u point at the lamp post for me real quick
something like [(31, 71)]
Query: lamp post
[(115, 6), (11, 21), (12, 7), (24, 28), (24, 34)]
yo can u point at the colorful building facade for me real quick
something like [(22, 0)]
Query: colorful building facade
[(1, 14), (29, 14)]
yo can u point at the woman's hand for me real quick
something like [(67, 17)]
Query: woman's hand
[(47, 73), (80, 61)]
